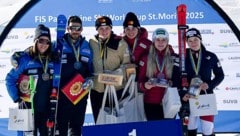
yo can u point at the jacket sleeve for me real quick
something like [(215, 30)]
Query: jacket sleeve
[(218, 73), (12, 80), (142, 78), (87, 52), (124, 52)]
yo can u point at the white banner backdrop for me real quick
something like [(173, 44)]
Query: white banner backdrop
[(19, 39), (217, 37)]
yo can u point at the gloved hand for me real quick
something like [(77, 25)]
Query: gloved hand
[(88, 84), (19, 100)]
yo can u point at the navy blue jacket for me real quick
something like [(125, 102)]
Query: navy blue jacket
[(68, 59), (210, 65)]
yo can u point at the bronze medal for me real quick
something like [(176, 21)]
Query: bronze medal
[(77, 65), (45, 76)]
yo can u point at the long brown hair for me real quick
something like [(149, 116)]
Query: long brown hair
[(34, 52)]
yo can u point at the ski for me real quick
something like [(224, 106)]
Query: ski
[(181, 20), (58, 47)]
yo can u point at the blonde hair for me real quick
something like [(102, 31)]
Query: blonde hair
[(152, 64)]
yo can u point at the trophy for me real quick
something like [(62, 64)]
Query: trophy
[(194, 86), (160, 81)]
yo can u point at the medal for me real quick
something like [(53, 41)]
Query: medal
[(195, 81), (77, 65), (161, 81), (45, 76), (160, 76)]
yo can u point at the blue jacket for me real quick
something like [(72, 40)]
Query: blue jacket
[(68, 59), (31, 66)]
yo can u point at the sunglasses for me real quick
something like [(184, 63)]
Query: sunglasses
[(75, 28), (44, 41)]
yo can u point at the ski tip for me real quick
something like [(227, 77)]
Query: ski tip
[(182, 7), (62, 18)]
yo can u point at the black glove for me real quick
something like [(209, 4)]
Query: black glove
[(19, 100)]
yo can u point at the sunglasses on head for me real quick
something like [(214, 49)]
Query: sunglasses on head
[(75, 28), (44, 41)]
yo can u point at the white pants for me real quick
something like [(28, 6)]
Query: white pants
[(206, 123)]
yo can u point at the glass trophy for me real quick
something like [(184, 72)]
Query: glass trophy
[(194, 89), (160, 81)]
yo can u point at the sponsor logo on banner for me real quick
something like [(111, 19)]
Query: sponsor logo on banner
[(206, 31), (141, 0), (230, 101), (105, 1), (234, 58), (12, 37), (232, 88), (225, 31), (2, 66), (237, 74), (2, 81), (9, 51), (207, 44), (232, 44)]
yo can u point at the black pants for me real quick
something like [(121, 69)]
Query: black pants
[(40, 120), (153, 111), (71, 117)]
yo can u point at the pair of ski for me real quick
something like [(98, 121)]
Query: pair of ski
[(181, 20), (58, 49)]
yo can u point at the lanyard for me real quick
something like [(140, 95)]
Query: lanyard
[(196, 68), (160, 65), (45, 67), (76, 52), (133, 49), (134, 45), (102, 47)]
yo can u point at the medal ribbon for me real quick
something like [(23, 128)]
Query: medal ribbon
[(160, 65), (45, 67), (196, 68), (76, 52), (133, 49), (134, 45), (102, 48)]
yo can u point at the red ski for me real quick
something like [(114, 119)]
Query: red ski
[(181, 20), (181, 17)]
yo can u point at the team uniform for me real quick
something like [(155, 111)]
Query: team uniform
[(67, 111), (115, 54), (32, 67), (209, 64)]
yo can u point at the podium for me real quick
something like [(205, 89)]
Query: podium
[(147, 128)]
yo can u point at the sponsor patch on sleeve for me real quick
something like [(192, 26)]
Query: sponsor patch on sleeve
[(143, 45), (84, 59)]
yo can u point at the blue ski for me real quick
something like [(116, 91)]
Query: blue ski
[(58, 47)]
